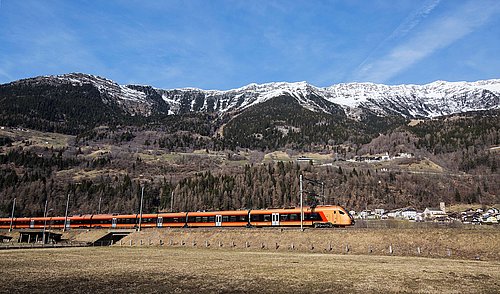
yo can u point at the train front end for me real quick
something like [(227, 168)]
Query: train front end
[(337, 216)]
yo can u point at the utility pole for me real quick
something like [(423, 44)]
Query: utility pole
[(140, 210), (66, 215), (301, 207), (12, 215)]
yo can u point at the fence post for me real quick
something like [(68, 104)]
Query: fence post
[(390, 249), (418, 250)]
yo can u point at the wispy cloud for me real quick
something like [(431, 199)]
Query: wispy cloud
[(420, 43)]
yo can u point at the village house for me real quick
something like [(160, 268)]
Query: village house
[(432, 213), (409, 213)]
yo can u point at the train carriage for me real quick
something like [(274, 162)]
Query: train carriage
[(124, 221), (149, 220), (175, 219), (80, 221), (284, 217), (17, 223), (235, 218)]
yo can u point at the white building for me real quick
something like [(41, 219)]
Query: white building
[(431, 212), (409, 213)]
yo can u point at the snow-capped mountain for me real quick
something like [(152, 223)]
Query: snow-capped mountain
[(189, 99), (431, 100)]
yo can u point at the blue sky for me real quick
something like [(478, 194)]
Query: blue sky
[(228, 44)]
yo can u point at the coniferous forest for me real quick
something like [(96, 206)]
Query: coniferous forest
[(104, 169), (77, 141)]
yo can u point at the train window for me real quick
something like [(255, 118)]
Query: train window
[(171, 220), (283, 217), (294, 216), (225, 218), (243, 218), (125, 220), (257, 217), (211, 219), (149, 220), (232, 218), (267, 217), (204, 219), (341, 212), (334, 212), (312, 216)]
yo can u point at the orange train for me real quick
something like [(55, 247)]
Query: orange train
[(320, 216)]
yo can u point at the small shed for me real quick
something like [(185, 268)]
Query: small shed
[(5, 239), (35, 236)]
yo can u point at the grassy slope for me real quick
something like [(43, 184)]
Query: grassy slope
[(462, 243)]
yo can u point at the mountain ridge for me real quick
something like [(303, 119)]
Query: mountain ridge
[(430, 100)]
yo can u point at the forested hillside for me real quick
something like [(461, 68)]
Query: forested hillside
[(110, 166), (100, 142)]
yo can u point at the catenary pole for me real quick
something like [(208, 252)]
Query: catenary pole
[(44, 221), (172, 202), (12, 215), (301, 207), (99, 208), (66, 215), (140, 210)]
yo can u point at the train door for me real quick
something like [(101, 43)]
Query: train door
[(335, 217), (32, 224), (218, 220), (113, 222), (160, 222), (275, 219)]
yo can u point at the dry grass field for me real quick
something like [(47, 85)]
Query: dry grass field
[(183, 270), (457, 243)]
